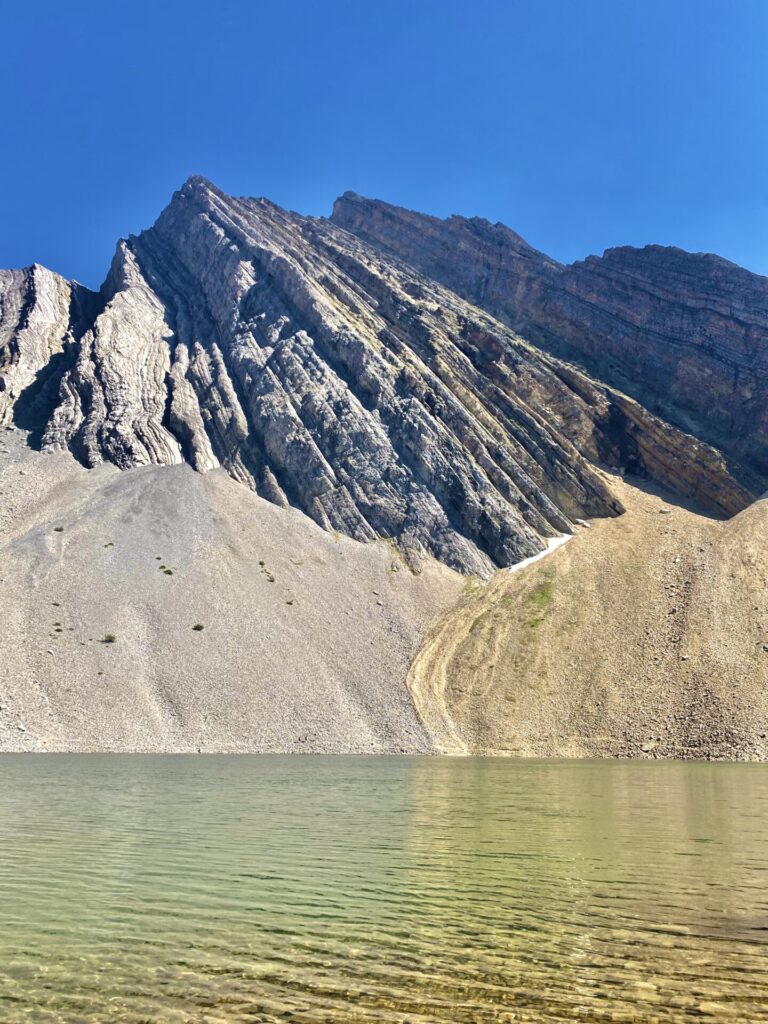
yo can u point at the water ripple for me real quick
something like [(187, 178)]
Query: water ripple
[(225, 890)]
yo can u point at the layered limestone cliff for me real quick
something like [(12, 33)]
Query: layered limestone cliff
[(686, 334), (41, 317), (331, 378)]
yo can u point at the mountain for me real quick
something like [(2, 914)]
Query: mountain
[(300, 434), (331, 378), (686, 334)]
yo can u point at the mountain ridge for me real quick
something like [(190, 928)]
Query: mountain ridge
[(329, 378), (685, 334)]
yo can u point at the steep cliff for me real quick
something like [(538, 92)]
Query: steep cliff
[(331, 378), (41, 317), (686, 334)]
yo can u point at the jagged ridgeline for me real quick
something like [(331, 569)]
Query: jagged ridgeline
[(327, 374), (684, 333)]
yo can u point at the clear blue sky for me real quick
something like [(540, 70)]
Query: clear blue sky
[(580, 123)]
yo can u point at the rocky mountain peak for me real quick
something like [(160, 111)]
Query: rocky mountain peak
[(686, 334), (324, 365)]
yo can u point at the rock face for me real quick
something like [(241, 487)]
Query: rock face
[(41, 316), (328, 376), (685, 334)]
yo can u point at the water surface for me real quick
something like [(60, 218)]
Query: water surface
[(222, 890)]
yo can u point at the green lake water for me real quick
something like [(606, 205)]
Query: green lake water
[(144, 889)]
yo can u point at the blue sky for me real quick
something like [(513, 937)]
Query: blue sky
[(581, 124)]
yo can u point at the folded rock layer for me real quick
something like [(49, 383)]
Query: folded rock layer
[(684, 333), (329, 376)]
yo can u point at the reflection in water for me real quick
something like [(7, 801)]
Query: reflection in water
[(231, 889)]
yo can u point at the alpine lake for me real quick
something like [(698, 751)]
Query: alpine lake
[(175, 889)]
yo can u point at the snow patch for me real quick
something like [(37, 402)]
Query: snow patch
[(552, 544)]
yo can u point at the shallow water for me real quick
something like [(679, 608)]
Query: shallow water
[(231, 889)]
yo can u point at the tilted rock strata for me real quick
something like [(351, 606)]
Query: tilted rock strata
[(40, 315), (686, 334), (332, 378), (326, 373)]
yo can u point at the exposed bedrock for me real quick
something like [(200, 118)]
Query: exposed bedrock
[(328, 376), (41, 318), (684, 333)]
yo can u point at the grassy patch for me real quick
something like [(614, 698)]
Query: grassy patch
[(480, 620), (471, 586), (538, 601), (540, 597)]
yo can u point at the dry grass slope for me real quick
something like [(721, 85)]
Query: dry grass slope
[(645, 635)]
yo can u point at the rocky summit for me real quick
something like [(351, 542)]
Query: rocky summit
[(684, 333), (360, 411), (329, 376)]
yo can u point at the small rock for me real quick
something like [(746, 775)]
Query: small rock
[(712, 1009)]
